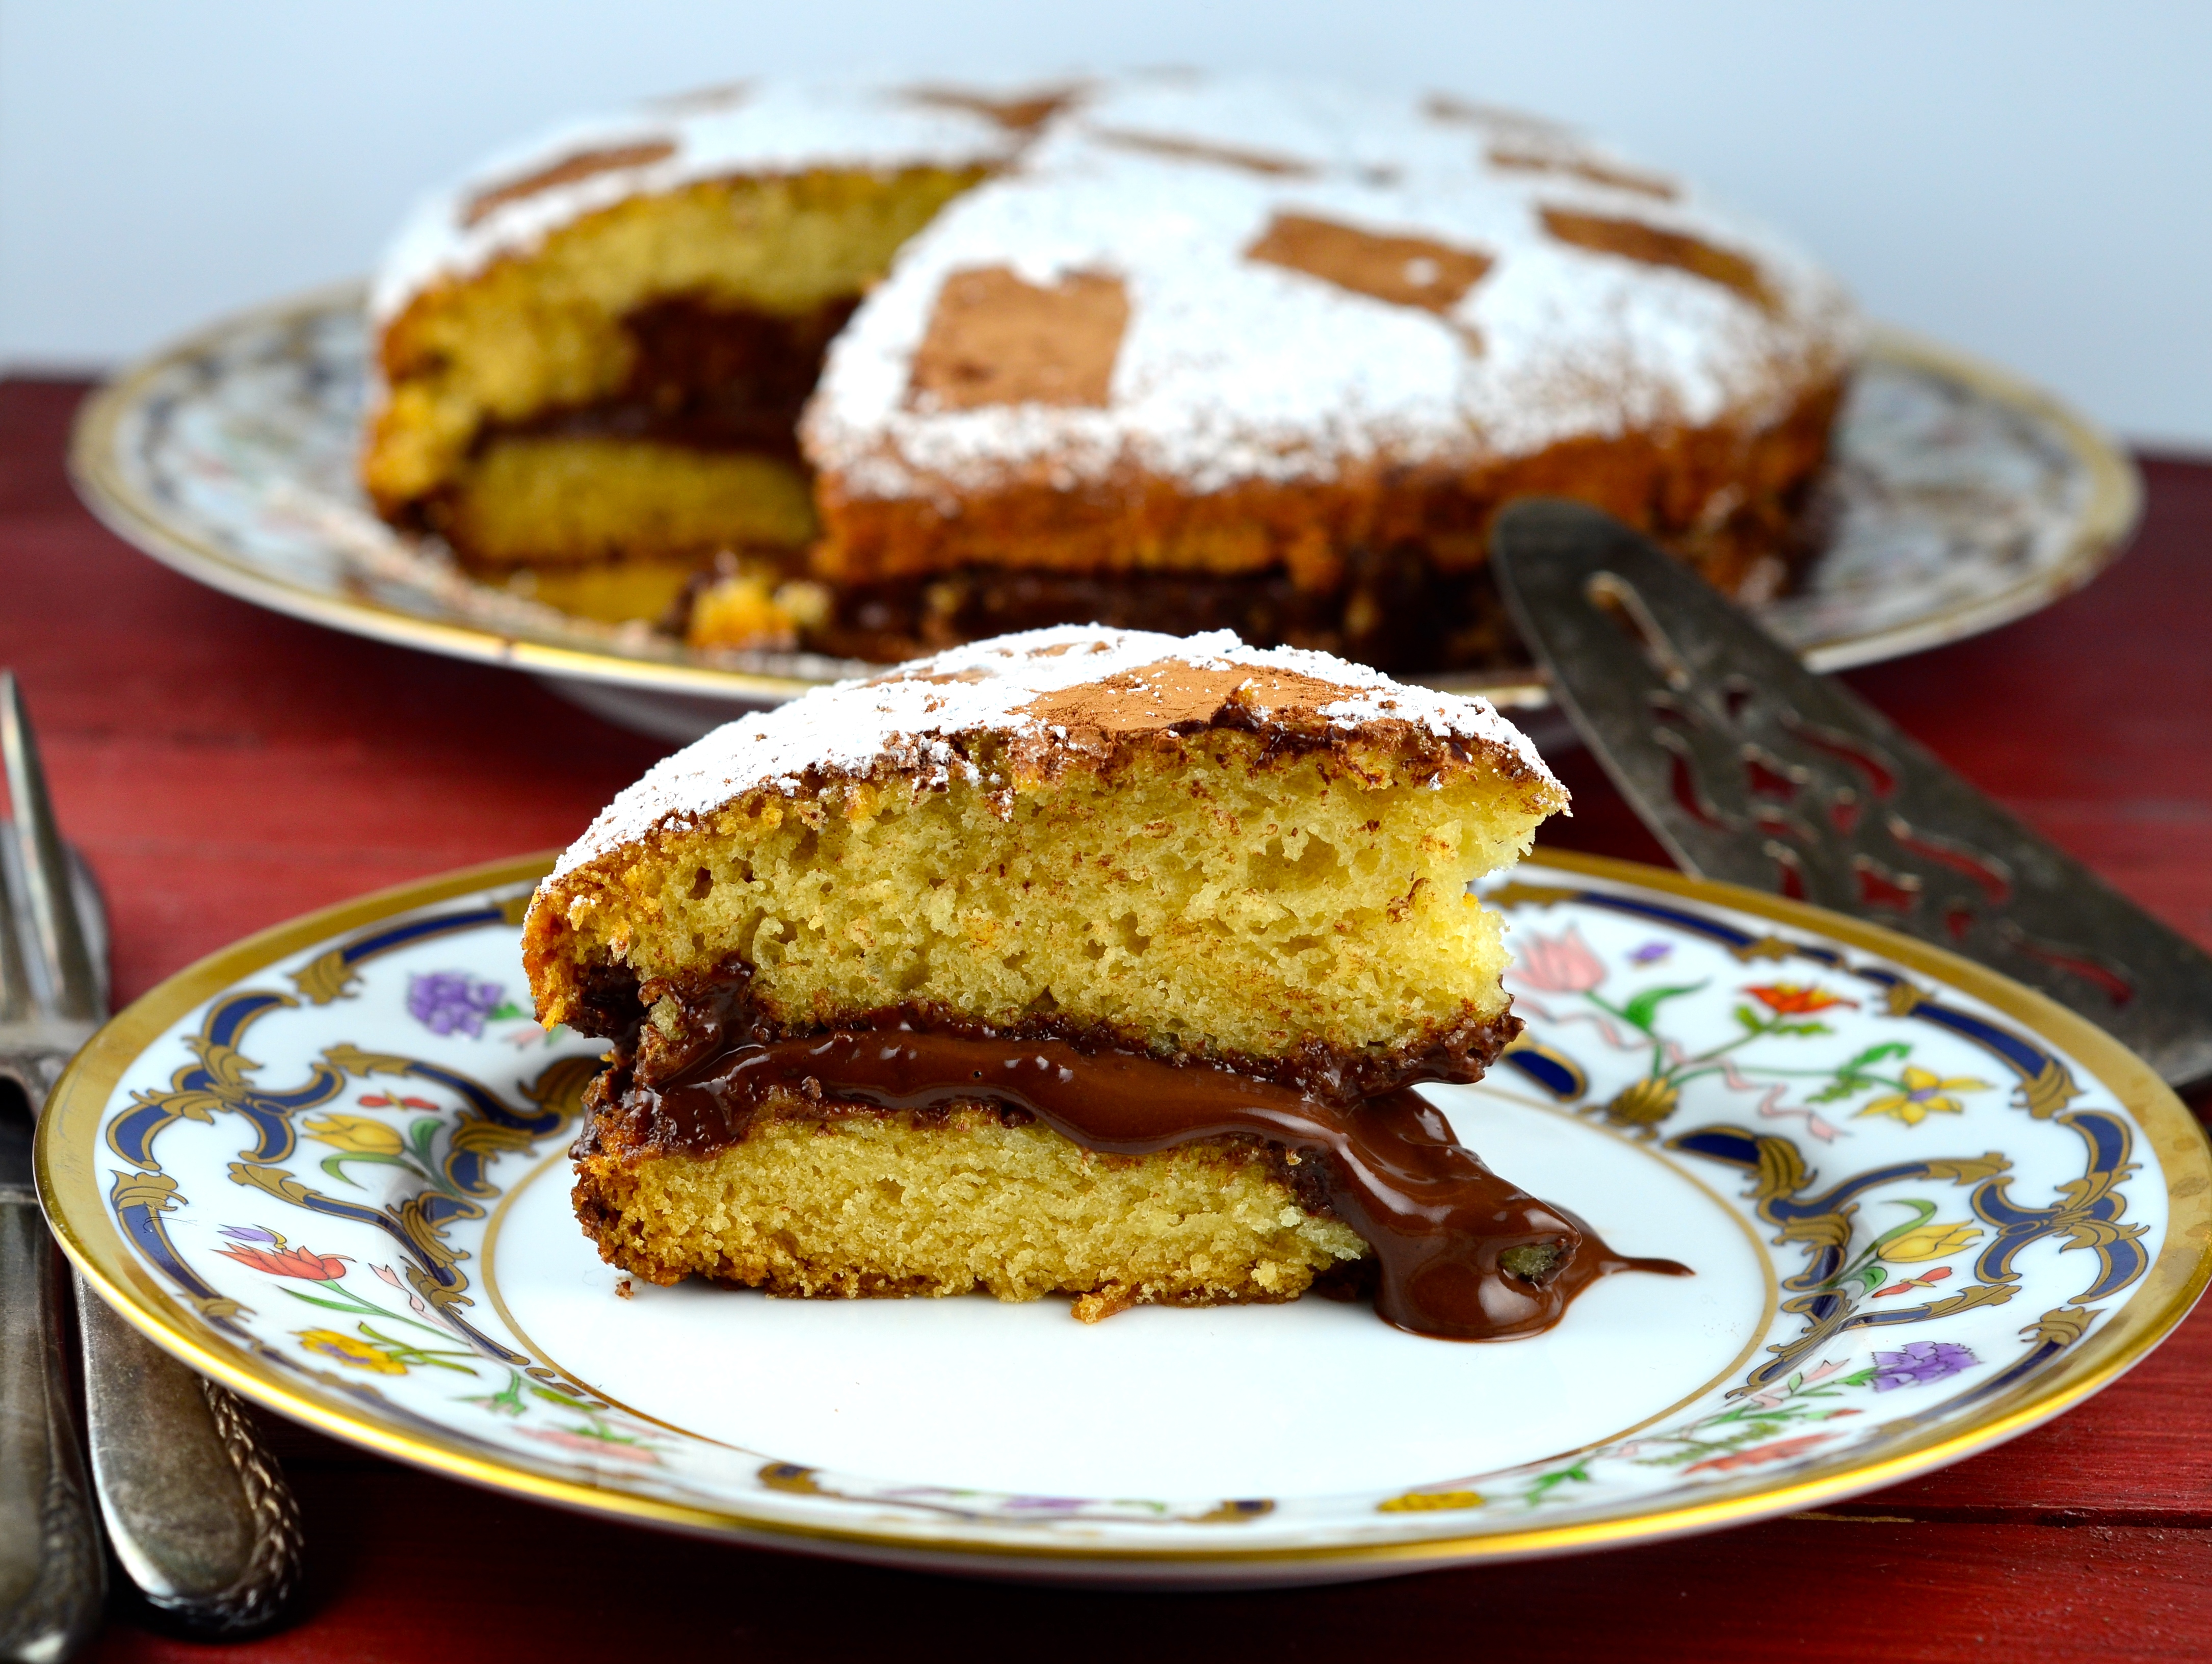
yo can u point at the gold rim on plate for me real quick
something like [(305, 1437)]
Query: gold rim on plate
[(68, 1186), (2108, 518)]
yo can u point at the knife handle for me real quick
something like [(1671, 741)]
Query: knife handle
[(196, 1506), (52, 1574)]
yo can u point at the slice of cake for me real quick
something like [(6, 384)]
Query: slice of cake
[(872, 369), (1081, 961)]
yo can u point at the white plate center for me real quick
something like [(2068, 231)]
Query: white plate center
[(1309, 1399)]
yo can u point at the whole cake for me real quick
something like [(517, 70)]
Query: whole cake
[(875, 369), (1085, 961)]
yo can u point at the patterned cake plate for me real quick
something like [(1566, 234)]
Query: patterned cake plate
[(1960, 499), (1926, 1209)]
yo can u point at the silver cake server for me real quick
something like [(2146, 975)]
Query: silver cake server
[(1750, 768)]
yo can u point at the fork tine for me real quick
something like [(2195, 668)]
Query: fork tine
[(48, 897), (14, 979)]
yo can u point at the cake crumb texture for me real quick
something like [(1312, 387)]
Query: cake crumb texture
[(894, 1203), (555, 501), (1175, 844), (546, 333), (1222, 906)]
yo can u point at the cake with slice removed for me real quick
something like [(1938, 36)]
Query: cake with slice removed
[(870, 368), (1085, 961)]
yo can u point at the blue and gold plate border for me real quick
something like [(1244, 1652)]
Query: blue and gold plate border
[(2162, 1291)]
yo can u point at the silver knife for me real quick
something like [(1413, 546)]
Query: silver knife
[(1750, 768), (194, 1506), (51, 1569)]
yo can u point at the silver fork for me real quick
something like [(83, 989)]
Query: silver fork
[(194, 1505)]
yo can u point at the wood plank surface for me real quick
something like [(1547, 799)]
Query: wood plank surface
[(225, 768)]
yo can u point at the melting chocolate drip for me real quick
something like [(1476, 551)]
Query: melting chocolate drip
[(1461, 1254)]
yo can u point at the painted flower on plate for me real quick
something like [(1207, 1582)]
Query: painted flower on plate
[(1925, 1095), (388, 1100), (1774, 1451), (416, 1303), (265, 1251), (1927, 1279), (592, 1444), (1791, 999), (1431, 1502), (1930, 1242), (446, 1001), (1558, 965), (346, 1349), (356, 1134), (1922, 1363)]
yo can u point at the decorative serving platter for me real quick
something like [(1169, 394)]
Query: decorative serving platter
[(1926, 1210), (1959, 499)]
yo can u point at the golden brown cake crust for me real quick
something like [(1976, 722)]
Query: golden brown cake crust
[(995, 339), (1662, 482)]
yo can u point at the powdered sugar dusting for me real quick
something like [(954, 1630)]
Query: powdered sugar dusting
[(913, 719), (1231, 369)]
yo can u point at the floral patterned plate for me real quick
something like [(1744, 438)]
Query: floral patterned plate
[(1926, 1209), (1959, 499)]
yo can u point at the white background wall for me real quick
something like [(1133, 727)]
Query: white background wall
[(2028, 179)]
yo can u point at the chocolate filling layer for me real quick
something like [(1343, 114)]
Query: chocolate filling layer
[(715, 1010), (1394, 610), (709, 377), (1461, 1254)]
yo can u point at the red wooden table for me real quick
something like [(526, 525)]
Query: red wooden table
[(225, 768)]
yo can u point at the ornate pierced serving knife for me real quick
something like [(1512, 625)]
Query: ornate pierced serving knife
[(1750, 768)]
